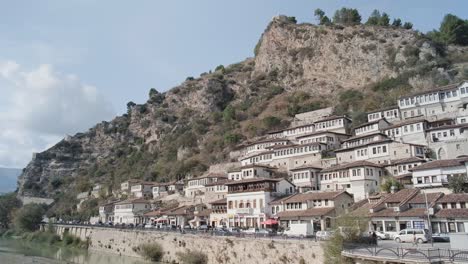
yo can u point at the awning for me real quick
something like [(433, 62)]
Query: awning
[(269, 222), (161, 219)]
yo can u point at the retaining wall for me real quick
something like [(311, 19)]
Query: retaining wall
[(218, 249)]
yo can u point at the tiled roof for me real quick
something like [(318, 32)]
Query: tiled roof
[(361, 208), (182, 210), (448, 127), (218, 182), (389, 212), (440, 164), (453, 198), (401, 196), (371, 123), (306, 166), (365, 136), (133, 201), (204, 212), (252, 180), (452, 213), (406, 160), (331, 118), (320, 133), (406, 122), (364, 145), (256, 165), (354, 164), (305, 213), (421, 198), (308, 196), (221, 201), (210, 175), (278, 200)]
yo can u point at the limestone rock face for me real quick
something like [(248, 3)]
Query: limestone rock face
[(297, 57), (324, 59)]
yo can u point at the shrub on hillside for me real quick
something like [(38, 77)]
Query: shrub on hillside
[(29, 217), (152, 251), (192, 257)]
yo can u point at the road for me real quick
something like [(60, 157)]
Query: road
[(393, 244)]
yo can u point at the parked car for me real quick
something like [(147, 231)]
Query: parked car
[(204, 227), (263, 232), (110, 223), (410, 235), (187, 227), (324, 235), (234, 230), (381, 235), (149, 225), (250, 231), (441, 237)]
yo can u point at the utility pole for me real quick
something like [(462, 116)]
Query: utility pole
[(428, 219)]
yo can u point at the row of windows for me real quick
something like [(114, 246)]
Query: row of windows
[(331, 123), (300, 130), (247, 204), (367, 128), (297, 150), (318, 139), (419, 99), (302, 175), (443, 134)]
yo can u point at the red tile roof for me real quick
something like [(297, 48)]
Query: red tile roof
[(440, 164), (133, 201), (453, 198), (221, 201), (389, 212), (354, 164), (407, 160), (305, 213), (452, 213)]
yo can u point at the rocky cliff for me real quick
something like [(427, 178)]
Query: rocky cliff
[(179, 133)]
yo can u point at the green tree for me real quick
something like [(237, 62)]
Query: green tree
[(388, 183), (8, 203), (229, 113), (408, 25), (457, 184), (271, 122), (29, 217), (347, 17), (396, 22), (453, 30), (321, 17), (374, 18), (384, 20), (153, 92)]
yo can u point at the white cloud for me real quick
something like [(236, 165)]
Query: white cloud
[(40, 107)]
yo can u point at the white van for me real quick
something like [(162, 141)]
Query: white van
[(299, 230), (408, 235)]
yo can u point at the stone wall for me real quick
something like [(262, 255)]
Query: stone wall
[(218, 249)]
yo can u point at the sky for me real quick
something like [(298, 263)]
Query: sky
[(67, 65)]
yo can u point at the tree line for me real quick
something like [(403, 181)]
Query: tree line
[(452, 30)]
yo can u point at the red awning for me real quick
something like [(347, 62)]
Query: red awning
[(269, 222)]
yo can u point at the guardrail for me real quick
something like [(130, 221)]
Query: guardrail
[(210, 232), (430, 255)]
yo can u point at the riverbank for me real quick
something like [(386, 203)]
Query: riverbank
[(13, 251), (217, 249)]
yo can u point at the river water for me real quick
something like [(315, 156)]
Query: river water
[(21, 252)]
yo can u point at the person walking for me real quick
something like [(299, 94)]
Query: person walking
[(415, 241), (374, 238)]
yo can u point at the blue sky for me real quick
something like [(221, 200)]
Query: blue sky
[(61, 58)]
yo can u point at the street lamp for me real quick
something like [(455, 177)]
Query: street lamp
[(428, 219)]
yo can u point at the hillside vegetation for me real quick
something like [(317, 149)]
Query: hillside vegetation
[(297, 68)]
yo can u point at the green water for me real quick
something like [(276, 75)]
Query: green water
[(21, 252)]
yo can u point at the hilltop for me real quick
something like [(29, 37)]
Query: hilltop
[(296, 68)]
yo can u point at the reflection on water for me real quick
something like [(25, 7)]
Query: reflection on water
[(18, 251)]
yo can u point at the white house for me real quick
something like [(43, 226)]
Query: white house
[(434, 175), (306, 178), (361, 178), (247, 200), (317, 208), (142, 189), (131, 211)]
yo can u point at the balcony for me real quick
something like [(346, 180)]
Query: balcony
[(247, 211)]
